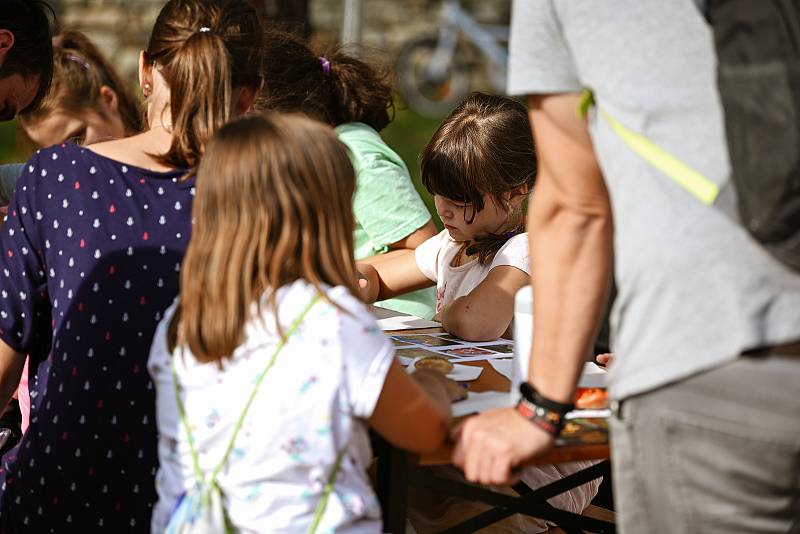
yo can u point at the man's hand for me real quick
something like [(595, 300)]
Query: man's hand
[(605, 359), (493, 443)]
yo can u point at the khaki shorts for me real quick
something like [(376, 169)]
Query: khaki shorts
[(716, 453)]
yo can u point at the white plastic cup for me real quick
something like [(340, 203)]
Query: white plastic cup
[(523, 338)]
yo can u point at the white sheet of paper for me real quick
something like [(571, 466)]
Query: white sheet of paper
[(478, 358), (504, 367), (479, 402), (593, 376), (395, 320), (589, 414), (460, 373)]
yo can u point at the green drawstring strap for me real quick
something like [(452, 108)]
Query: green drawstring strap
[(323, 500), (182, 411), (685, 176)]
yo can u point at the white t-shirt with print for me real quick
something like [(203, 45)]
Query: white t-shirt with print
[(435, 256), (434, 259), (312, 403)]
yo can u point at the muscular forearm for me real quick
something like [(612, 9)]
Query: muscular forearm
[(571, 258)]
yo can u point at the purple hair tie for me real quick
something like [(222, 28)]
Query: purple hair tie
[(78, 60), (326, 65)]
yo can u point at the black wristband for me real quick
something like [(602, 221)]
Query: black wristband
[(549, 421), (534, 397)]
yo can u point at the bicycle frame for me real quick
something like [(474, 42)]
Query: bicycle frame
[(454, 19)]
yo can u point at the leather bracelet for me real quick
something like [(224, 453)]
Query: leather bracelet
[(530, 394), (548, 420)]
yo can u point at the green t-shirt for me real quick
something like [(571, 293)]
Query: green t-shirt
[(386, 206)]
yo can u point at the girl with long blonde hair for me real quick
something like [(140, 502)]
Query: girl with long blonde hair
[(269, 368)]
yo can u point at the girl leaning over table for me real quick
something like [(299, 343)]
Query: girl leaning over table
[(357, 100), (269, 369), (480, 166)]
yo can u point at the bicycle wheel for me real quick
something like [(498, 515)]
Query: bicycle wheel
[(427, 96)]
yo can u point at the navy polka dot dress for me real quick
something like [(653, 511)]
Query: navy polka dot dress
[(91, 254)]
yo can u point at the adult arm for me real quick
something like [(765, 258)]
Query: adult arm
[(486, 312), (571, 254)]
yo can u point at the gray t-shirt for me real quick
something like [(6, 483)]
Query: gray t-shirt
[(695, 290)]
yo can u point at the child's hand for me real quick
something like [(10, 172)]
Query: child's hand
[(439, 386), (367, 282), (605, 359)]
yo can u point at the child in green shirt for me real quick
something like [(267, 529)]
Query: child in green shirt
[(355, 99)]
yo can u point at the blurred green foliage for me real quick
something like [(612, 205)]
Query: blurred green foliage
[(8, 143)]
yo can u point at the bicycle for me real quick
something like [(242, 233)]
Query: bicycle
[(434, 73)]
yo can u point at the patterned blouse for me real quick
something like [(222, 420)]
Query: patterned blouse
[(91, 254)]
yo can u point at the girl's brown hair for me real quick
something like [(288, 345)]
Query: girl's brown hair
[(331, 86), (204, 49), (273, 205), (484, 147), (79, 72)]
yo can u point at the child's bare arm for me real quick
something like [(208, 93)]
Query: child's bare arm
[(410, 242), (409, 417), (486, 313), (392, 276)]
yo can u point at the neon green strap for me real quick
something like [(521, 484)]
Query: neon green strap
[(323, 500), (685, 176), (181, 409)]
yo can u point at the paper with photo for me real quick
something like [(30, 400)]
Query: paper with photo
[(426, 340), (507, 348), (419, 352), (467, 351), (399, 343)]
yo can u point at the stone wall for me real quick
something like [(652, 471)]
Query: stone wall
[(121, 27)]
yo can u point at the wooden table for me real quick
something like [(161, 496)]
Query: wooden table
[(399, 470)]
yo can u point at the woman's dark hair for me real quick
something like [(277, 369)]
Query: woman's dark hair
[(484, 147), (332, 86), (32, 53), (79, 73), (204, 49)]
